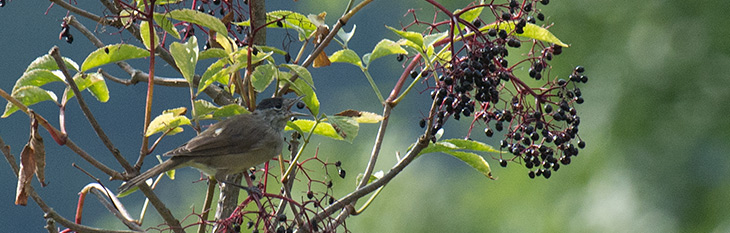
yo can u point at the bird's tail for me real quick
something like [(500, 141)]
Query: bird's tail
[(154, 171)]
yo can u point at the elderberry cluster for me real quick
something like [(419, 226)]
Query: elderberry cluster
[(539, 122)]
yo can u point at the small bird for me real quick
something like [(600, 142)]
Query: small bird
[(232, 145)]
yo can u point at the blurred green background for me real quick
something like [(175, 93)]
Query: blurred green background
[(655, 121)]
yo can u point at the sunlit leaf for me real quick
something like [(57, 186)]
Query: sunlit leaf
[(383, 48), (473, 160), (113, 53), (186, 57), (323, 128), (532, 31), (466, 144), (203, 109), (469, 16), (267, 49), (429, 40), (414, 37), (28, 95), (198, 18), (144, 32), (226, 42), (229, 110), (164, 2), (361, 116), (167, 25), (165, 122), (346, 56), (96, 85), (46, 62), (36, 77), (240, 59)]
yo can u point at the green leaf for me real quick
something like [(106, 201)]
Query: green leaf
[(203, 109), (369, 117), (28, 95), (262, 76), (323, 128), (164, 2), (166, 25), (383, 48), (532, 31), (46, 62), (465, 144), (186, 57), (144, 32), (199, 18), (469, 16), (207, 77), (292, 20), (429, 40), (310, 97), (212, 53), (473, 160), (346, 36), (347, 56), (346, 127), (96, 85), (414, 37), (229, 110), (165, 122), (240, 59), (36, 77), (113, 53), (301, 71)]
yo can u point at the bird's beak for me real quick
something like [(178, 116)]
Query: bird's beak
[(294, 102)]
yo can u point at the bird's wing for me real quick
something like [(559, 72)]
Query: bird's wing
[(224, 138)]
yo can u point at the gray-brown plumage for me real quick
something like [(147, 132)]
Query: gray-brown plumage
[(232, 145)]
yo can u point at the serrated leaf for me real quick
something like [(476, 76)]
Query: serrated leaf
[(383, 48), (229, 110), (212, 53), (346, 56), (532, 31), (166, 121), (323, 128), (199, 18), (46, 62), (346, 127), (292, 20), (113, 53), (166, 25), (346, 36), (28, 95), (302, 72), (262, 76), (310, 97), (207, 77), (36, 77), (414, 37), (144, 32), (186, 57), (473, 160), (96, 85)]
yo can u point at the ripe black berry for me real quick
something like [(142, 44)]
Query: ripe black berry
[(502, 162), (540, 16), (581, 144), (579, 69), (477, 23), (544, 2), (531, 174), (506, 15), (488, 132), (310, 194), (414, 74), (342, 173), (546, 174), (492, 32), (400, 57)]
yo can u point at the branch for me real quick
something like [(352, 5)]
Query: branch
[(89, 116), (49, 212), (82, 12)]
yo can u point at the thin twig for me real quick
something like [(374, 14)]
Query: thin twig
[(82, 12), (49, 212), (87, 112)]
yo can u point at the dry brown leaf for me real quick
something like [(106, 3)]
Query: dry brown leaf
[(39, 150), (27, 168)]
